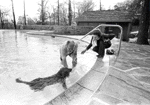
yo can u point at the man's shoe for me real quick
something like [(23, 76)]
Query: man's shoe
[(110, 52), (99, 56)]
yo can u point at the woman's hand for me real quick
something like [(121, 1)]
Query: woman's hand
[(83, 51)]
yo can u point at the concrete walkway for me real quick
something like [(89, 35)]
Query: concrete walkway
[(126, 82), (128, 79)]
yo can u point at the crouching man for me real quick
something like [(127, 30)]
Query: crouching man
[(69, 49)]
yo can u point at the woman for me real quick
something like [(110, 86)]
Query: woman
[(69, 48), (102, 42)]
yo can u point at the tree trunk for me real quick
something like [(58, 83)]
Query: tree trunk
[(70, 13), (1, 21), (14, 15), (58, 13), (24, 14), (144, 24), (100, 8), (42, 11)]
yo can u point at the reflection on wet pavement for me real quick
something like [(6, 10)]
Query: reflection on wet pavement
[(128, 79), (29, 57), (125, 82)]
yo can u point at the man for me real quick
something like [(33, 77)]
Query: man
[(101, 43)]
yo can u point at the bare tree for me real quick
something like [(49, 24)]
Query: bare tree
[(58, 12), (69, 12), (1, 19), (144, 23), (74, 9), (24, 14), (20, 20), (30, 21), (3, 14), (42, 10), (132, 6), (86, 5), (138, 7), (123, 6), (54, 15), (14, 20), (59, 17), (49, 16), (100, 6), (63, 13)]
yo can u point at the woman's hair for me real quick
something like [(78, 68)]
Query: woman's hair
[(97, 32)]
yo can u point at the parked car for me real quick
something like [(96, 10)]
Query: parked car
[(133, 34)]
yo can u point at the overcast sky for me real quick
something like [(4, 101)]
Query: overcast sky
[(32, 5)]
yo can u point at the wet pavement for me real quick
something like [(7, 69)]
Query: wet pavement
[(28, 57), (125, 82), (99, 81)]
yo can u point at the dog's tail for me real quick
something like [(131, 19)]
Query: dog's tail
[(20, 81)]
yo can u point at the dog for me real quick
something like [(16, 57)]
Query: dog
[(40, 83), (69, 48)]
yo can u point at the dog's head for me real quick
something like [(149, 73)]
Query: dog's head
[(64, 72)]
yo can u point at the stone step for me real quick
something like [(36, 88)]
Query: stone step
[(84, 89)]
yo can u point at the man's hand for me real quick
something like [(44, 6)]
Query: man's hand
[(83, 51)]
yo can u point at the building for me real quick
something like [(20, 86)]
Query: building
[(94, 18)]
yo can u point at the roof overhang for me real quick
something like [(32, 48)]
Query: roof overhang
[(128, 21)]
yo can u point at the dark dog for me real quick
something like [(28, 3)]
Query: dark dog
[(40, 83)]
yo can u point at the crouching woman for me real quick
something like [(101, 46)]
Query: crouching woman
[(69, 49)]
